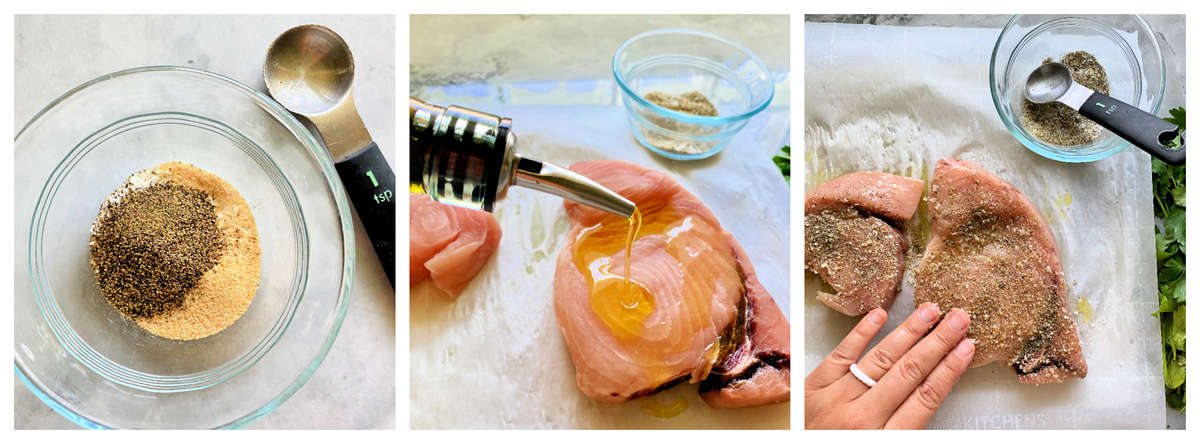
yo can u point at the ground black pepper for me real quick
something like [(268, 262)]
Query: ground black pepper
[(152, 246)]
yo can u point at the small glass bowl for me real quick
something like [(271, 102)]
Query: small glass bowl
[(100, 370), (677, 61), (1124, 44)]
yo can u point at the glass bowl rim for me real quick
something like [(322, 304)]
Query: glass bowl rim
[(324, 160), (1038, 147), (691, 118), (95, 360)]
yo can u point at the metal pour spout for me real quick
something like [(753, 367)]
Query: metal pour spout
[(465, 157), (569, 185)]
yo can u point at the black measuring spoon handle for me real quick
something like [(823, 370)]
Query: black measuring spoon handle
[(371, 186), (1144, 130)]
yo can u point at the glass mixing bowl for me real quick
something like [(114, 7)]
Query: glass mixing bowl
[(677, 61), (98, 369), (1125, 46)]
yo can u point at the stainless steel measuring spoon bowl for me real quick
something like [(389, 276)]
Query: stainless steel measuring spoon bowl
[(309, 69)]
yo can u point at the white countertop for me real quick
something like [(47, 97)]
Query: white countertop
[(355, 387)]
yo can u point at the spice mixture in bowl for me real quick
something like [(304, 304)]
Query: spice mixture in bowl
[(1058, 124), (214, 162), (175, 250), (688, 92), (1117, 52)]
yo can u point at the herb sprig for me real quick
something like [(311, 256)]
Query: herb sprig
[(1170, 243), (783, 161)]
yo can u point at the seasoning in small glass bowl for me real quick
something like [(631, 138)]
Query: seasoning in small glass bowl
[(1124, 45), (688, 92)]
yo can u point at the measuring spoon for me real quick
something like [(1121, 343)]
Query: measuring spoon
[(1052, 82), (310, 71)]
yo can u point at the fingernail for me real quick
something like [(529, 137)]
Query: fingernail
[(965, 347), (928, 313), (875, 317), (959, 320)]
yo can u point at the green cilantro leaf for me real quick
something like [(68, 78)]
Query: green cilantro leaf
[(1174, 373), (1163, 247), (1177, 117), (1176, 224), (783, 161)]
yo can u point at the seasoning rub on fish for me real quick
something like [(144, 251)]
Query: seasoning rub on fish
[(849, 239), (991, 254)]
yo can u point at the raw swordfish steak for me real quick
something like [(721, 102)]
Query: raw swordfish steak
[(693, 311), (991, 254), (851, 239), (447, 243)]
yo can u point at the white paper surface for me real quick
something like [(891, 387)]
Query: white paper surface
[(898, 99), (494, 358)]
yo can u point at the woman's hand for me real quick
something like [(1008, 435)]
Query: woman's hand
[(915, 372)]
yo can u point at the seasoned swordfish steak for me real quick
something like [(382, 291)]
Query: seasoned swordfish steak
[(693, 309), (991, 254), (849, 239), (447, 243)]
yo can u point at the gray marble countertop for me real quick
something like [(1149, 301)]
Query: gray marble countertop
[(560, 59), (1170, 30), (355, 387)]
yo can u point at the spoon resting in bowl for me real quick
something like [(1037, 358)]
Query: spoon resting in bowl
[(1052, 82)]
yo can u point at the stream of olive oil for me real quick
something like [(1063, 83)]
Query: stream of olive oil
[(617, 299), (635, 224)]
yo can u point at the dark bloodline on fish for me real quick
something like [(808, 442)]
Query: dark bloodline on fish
[(736, 342)]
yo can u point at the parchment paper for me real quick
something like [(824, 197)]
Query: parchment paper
[(898, 99), (494, 358)]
